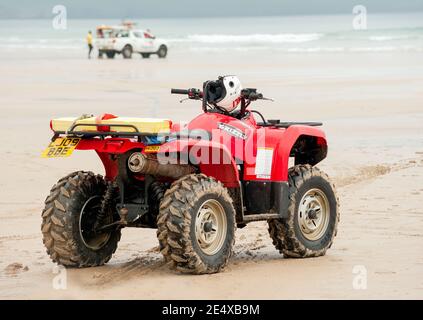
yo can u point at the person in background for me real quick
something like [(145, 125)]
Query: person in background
[(90, 43)]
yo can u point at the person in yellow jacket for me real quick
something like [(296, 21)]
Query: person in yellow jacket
[(90, 43)]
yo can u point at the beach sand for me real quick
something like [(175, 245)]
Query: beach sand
[(371, 106)]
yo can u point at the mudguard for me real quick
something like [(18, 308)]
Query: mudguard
[(212, 158), (271, 161), (288, 140)]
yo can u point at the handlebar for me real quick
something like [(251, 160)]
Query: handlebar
[(179, 91), (255, 96), (247, 94), (192, 93), (251, 94)]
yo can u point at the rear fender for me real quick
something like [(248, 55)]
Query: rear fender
[(111, 145), (212, 158), (110, 165), (107, 150)]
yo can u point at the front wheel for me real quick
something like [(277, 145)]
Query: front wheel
[(69, 222), (196, 225), (312, 217), (127, 52), (162, 52)]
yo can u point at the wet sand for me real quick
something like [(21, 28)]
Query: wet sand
[(371, 105)]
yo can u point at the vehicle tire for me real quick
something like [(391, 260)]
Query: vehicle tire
[(312, 217), (196, 225), (162, 52), (67, 217), (127, 52), (110, 54), (145, 55)]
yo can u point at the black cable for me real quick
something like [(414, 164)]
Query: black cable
[(261, 116)]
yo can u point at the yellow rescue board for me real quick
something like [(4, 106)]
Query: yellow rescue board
[(60, 148), (148, 125)]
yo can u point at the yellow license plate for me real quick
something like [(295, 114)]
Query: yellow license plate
[(152, 149), (60, 147)]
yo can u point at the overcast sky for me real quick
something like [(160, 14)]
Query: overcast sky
[(77, 9)]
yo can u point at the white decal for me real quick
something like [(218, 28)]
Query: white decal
[(264, 160), (232, 130)]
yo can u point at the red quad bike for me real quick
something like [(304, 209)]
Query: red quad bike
[(195, 183)]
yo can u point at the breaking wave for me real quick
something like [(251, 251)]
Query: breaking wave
[(251, 38)]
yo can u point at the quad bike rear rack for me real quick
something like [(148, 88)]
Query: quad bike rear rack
[(102, 134)]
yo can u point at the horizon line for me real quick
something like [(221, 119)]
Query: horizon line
[(213, 17)]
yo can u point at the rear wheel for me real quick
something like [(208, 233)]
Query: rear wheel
[(162, 52), (196, 225), (313, 215), (127, 52), (70, 218)]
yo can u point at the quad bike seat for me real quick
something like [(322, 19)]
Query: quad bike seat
[(111, 123)]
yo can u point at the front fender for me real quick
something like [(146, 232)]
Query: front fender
[(285, 147)]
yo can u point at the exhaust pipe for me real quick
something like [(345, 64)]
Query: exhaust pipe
[(139, 163)]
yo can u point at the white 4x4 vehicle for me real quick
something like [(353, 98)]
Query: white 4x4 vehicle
[(124, 40)]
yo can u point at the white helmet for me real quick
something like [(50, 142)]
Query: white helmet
[(229, 94)]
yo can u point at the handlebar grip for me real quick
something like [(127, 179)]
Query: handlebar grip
[(256, 96), (179, 91)]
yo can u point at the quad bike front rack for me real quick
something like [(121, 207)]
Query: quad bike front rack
[(278, 124)]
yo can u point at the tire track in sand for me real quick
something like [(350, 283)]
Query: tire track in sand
[(370, 172)]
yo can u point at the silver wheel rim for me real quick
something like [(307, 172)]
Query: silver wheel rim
[(313, 214), (210, 226), (97, 242)]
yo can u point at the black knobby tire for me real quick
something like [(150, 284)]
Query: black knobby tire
[(61, 220), (156, 193), (162, 52), (127, 52), (176, 225), (287, 234)]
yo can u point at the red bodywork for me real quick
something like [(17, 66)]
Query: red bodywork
[(219, 154)]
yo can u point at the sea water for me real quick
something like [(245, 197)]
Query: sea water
[(285, 34)]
